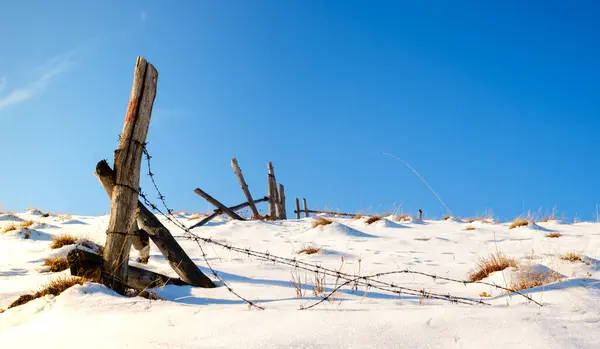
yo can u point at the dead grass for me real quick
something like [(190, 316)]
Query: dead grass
[(470, 227), (485, 294), (54, 287), (358, 216), (310, 250), (26, 224), (446, 218), (63, 240), (519, 222), (196, 216), (531, 280), (571, 257), (554, 235), (56, 264), (422, 239), (486, 266), (10, 227), (373, 219), (321, 221), (404, 218), (547, 219)]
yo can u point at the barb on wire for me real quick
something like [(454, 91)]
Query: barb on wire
[(367, 281)]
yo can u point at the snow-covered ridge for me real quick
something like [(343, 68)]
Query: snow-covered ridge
[(214, 318)]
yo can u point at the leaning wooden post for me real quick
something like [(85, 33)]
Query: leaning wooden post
[(420, 215), (240, 177), (128, 157), (273, 196), (281, 206), (297, 209), (305, 207)]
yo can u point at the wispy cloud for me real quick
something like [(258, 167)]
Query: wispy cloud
[(54, 67)]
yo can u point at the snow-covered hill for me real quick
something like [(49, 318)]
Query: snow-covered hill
[(91, 316)]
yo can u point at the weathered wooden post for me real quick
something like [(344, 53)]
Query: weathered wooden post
[(420, 215), (128, 157), (240, 177), (219, 205), (297, 209), (273, 196), (281, 202), (305, 207)]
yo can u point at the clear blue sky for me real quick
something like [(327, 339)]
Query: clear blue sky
[(496, 104)]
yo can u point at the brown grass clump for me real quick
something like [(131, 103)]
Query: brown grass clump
[(54, 287), (373, 219), (486, 266), (195, 216), (571, 257), (484, 294), (358, 216), (532, 280), (63, 240), (8, 228), (56, 264), (554, 235), (310, 250), (321, 221), (470, 227), (404, 217), (26, 224), (423, 239), (446, 218), (519, 222)]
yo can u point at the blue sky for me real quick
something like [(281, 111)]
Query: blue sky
[(497, 105)]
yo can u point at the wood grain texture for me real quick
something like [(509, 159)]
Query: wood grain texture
[(305, 207), (297, 211), (127, 162), (281, 202), (272, 188), (179, 261), (217, 204), (244, 185)]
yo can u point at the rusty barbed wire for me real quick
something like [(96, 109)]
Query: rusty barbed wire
[(369, 281)]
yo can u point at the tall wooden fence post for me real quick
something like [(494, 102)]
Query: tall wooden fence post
[(420, 215), (273, 196), (128, 157), (305, 207), (282, 210), (297, 209), (240, 177)]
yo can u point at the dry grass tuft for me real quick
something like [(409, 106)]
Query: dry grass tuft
[(56, 264), (63, 240), (54, 287), (485, 294), (547, 219), (26, 224), (486, 266), (358, 216), (404, 218), (554, 235), (321, 221), (422, 239), (470, 227), (196, 216), (10, 227), (310, 250), (373, 219), (519, 222), (446, 218), (571, 257), (532, 280)]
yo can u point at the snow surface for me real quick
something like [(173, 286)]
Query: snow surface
[(91, 316)]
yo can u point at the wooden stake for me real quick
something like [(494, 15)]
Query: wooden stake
[(305, 207), (272, 187), (218, 212), (160, 235), (128, 157), (281, 202), (219, 205), (238, 173), (297, 211), (420, 215)]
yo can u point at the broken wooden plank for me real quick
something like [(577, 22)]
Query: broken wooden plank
[(217, 204), (88, 264), (160, 235), (128, 157), (218, 212), (244, 185), (281, 202)]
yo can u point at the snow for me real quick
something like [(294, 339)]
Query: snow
[(92, 316)]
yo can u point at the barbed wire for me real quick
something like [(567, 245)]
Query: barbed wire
[(370, 281)]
